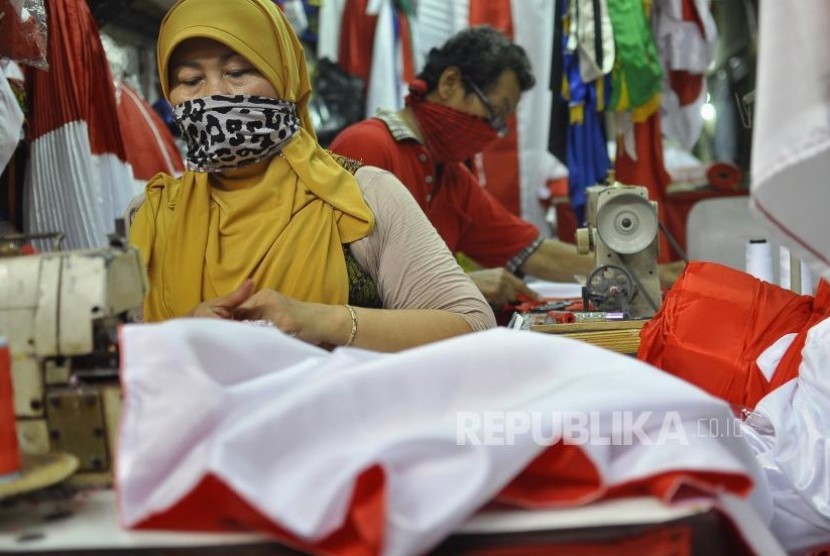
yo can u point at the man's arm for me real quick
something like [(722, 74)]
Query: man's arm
[(557, 261)]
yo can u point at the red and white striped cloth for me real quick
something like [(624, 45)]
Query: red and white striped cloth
[(77, 176)]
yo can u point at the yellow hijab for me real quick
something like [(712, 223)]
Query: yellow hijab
[(282, 222)]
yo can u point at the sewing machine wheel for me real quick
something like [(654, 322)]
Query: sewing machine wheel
[(610, 288), (627, 223)]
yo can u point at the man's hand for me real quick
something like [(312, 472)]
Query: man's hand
[(224, 307), (500, 287)]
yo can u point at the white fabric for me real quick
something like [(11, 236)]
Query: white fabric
[(438, 20), (329, 20), (12, 69), (533, 31), (70, 190), (791, 142), (11, 122), (589, 69), (680, 42), (289, 426), (789, 432), (768, 360), (385, 89), (556, 289)]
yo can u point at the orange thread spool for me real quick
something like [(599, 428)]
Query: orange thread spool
[(9, 451)]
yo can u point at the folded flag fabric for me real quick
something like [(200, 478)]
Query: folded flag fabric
[(353, 452)]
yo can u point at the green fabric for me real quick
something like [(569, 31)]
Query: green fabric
[(637, 64)]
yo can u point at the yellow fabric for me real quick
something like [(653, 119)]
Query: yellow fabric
[(640, 114), (281, 222)]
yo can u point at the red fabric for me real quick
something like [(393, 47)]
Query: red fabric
[(149, 145), (686, 85), (656, 541), (499, 168), (9, 450), (357, 39), (78, 85), (450, 134), (716, 321), (495, 13), (18, 40), (648, 170), (407, 54), (212, 505), (561, 476), (468, 218)]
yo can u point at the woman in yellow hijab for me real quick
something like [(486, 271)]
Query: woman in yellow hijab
[(265, 224)]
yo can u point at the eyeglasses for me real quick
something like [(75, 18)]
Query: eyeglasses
[(495, 120)]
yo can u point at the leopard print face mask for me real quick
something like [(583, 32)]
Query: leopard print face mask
[(227, 132)]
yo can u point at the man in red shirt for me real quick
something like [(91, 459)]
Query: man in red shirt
[(455, 108)]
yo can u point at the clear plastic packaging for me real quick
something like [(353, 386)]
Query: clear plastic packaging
[(24, 32)]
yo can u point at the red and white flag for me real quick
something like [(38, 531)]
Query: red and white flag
[(77, 176), (228, 425)]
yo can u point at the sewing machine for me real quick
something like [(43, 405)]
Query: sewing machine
[(60, 312), (622, 234)]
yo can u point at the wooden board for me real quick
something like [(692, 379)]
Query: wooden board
[(619, 336)]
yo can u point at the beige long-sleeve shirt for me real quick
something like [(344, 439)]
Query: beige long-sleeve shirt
[(404, 255)]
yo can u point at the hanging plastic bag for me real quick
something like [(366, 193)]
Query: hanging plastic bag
[(23, 32)]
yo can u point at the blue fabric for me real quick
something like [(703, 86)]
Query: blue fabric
[(587, 154)]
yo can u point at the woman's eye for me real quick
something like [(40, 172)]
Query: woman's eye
[(238, 73), (190, 82)]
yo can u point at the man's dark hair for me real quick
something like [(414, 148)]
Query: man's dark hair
[(481, 54)]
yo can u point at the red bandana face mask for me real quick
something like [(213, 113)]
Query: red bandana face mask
[(451, 135)]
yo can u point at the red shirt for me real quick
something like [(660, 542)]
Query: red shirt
[(466, 216)]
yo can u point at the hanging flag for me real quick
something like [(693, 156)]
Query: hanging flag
[(78, 180)]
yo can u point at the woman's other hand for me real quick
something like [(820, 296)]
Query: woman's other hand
[(314, 323), (224, 307)]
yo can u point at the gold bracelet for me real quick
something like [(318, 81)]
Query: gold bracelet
[(353, 333)]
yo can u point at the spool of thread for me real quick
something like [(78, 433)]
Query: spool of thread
[(759, 260), (561, 317), (790, 272), (9, 451), (724, 176)]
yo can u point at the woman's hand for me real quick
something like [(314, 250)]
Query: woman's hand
[(224, 307), (314, 323)]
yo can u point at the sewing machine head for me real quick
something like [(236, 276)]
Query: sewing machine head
[(622, 233), (60, 312)]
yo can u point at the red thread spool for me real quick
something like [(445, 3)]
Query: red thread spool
[(9, 451), (562, 317)]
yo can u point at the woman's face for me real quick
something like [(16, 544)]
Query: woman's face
[(203, 67)]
